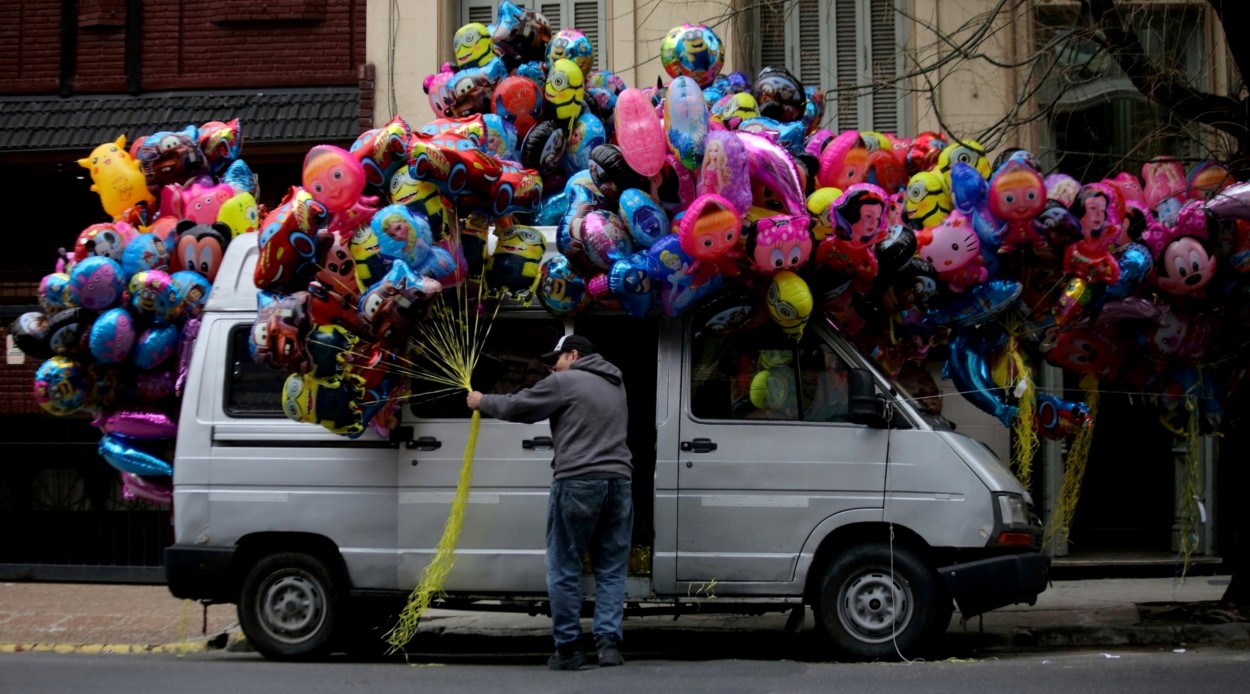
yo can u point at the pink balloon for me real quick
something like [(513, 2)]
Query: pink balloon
[(156, 489), (137, 423), (725, 171), (639, 132)]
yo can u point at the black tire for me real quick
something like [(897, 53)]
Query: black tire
[(290, 607), (868, 615)]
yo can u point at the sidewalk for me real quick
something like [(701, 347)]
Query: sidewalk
[(97, 618)]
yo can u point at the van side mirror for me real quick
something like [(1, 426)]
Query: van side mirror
[(866, 407)]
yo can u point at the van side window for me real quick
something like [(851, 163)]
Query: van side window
[(251, 389), (509, 362), (761, 374)]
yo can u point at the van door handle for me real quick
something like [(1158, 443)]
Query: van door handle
[(425, 443), (538, 443), (699, 446)]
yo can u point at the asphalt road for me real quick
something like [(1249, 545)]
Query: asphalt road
[(1110, 672)]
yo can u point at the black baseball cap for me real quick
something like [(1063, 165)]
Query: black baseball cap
[(568, 343)]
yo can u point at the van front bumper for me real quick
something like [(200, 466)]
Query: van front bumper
[(200, 573), (988, 584)]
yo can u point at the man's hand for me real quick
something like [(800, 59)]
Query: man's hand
[(474, 400)]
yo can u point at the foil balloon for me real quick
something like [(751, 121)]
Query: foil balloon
[(1061, 188), (221, 143), (573, 45), (117, 178), (1135, 263), (543, 148), (695, 53), (155, 345), (820, 207), (240, 213), (171, 157), (154, 488), (517, 259), (968, 367), (518, 100), (123, 454), (928, 200), (709, 233), (1058, 419), (393, 309), (1091, 258), (725, 170), (405, 235), (520, 35), (673, 187), (843, 162), (789, 303), (112, 336), (96, 283), (1017, 195), (53, 293), (968, 152), (728, 310), (200, 247), (194, 288), (639, 132), (108, 240), (145, 252), (611, 174), (685, 121), (501, 141), (775, 181), (438, 93), (672, 272), (733, 110), (588, 133), (954, 250), (779, 94), (68, 331), (779, 243), (137, 423), (287, 248), (473, 45), (155, 295), (1164, 187), (647, 222), (564, 92), (60, 385), (631, 285), (606, 239), (336, 179), (561, 290), (30, 333), (277, 337)]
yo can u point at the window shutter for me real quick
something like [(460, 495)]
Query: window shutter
[(477, 11), (809, 69), (772, 35), (885, 54), (846, 54), (554, 17)]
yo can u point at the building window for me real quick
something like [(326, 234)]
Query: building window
[(851, 49), (1099, 123), (584, 15)]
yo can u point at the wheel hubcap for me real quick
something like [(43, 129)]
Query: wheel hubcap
[(292, 606), (873, 608)]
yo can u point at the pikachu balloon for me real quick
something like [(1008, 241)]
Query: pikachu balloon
[(117, 178)]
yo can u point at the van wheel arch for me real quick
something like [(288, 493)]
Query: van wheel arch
[(251, 549)]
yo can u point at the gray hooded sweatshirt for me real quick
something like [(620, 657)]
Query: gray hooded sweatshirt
[(588, 414)]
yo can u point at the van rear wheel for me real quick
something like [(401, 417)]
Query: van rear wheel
[(871, 611), (290, 606)]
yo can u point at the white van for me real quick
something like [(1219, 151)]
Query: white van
[(844, 496)]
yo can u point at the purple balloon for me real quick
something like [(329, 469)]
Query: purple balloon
[(157, 489), (770, 166), (725, 170), (606, 238), (137, 423)]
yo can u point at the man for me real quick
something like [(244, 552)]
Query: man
[(590, 509)]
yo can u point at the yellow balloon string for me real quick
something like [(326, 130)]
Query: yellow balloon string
[(1010, 368), (435, 575), (1060, 522)]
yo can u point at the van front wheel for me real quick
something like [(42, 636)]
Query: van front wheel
[(869, 608), (289, 607)]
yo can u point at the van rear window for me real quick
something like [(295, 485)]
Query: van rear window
[(762, 374), (251, 389)]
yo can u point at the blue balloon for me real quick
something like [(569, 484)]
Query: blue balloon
[(973, 307), (120, 452), (501, 140), (631, 285), (155, 345), (145, 252), (112, 336), (791, 136), (968, 368), (588, 132), (239, 176), (1135, 264), (195, 289), (552, 210), (646, 220)]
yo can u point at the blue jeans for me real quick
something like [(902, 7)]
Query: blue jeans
[(594, 517)]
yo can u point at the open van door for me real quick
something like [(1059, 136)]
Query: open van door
[(767, 452), (503, 540)]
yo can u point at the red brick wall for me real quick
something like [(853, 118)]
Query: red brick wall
[(187, 44)]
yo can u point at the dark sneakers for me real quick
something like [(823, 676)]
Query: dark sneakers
[(566, 658), (610, 656)]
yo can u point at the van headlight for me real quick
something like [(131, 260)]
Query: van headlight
[(1012, 509)]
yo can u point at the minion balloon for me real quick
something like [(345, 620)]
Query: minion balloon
[(969, 152), (332, 403), (564, 92), (474, 47), (790, 303), (928, 200), (516, 263)]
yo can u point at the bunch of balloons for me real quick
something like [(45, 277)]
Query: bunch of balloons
[(121, 312)]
